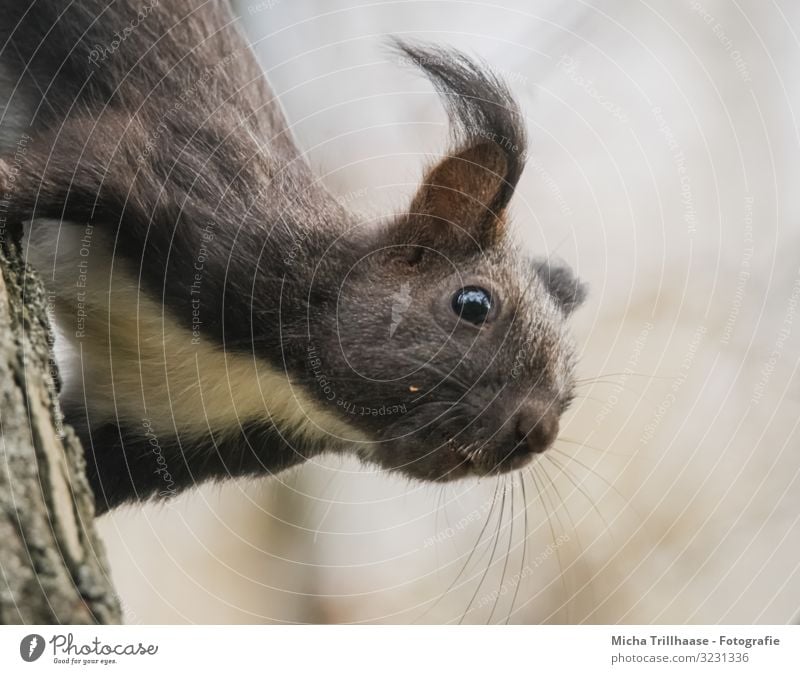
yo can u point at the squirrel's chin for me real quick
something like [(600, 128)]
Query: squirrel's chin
[(442, 464)]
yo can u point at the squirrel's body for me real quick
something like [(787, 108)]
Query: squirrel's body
[(216, 294), (165, 386)]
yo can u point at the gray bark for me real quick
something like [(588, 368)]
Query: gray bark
[(52, 563)]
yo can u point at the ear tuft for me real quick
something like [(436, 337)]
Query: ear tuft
[(465, 195)]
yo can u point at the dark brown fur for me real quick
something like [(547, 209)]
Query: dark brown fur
[(176, 130)]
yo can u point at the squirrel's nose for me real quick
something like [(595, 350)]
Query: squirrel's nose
[(537, 427)]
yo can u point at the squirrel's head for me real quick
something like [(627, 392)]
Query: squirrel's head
[(447, 346)]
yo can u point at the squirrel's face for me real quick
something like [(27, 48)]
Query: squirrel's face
[(453, 364), (447, 346)]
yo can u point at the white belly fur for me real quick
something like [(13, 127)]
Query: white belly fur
[(155, 372)]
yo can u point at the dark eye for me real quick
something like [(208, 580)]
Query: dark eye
[(472, 304)]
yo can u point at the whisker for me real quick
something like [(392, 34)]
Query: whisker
[(508, 556), (553, 535), (544, 474), (491, 558), (582, 546), (469, 558), (591, 399), (582, 383), (524, 546), (590, 470), (576, 483), (436, 524), (446, 514), (596, 449), (624, 387), (641, 375)]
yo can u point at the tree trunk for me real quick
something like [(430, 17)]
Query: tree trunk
[(52, 562)]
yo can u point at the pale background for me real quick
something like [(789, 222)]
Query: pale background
[(664, 168)]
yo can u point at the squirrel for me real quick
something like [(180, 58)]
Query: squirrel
[(228, 316)]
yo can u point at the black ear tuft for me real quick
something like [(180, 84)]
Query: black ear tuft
[(479, 104), (562, 285), (472, 185)]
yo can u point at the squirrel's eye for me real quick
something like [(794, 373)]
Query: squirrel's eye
[(473, 304)]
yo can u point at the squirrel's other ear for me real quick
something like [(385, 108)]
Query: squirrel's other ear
[(562, 284), (461, 203)]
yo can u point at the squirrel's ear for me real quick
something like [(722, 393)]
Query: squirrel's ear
[(460, 206), (461, 200)]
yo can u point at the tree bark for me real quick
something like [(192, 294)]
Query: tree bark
[(52, 563)]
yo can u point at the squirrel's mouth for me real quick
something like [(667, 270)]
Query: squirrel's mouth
[(451, 461), (486, 460)]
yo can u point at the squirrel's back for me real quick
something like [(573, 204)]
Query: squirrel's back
[(67, 56)]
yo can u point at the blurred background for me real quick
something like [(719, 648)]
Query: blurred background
[(664, 168)]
